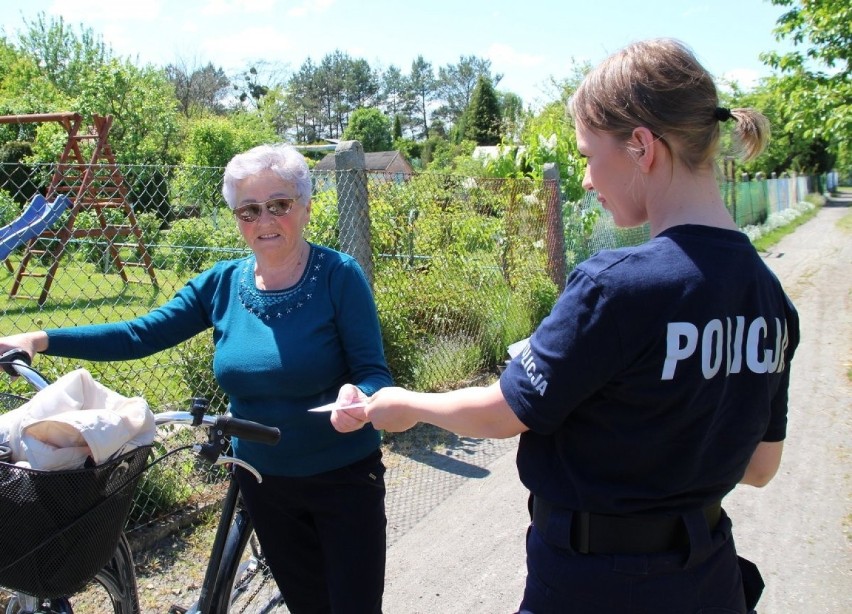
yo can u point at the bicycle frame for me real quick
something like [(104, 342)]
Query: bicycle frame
[(234, 524)]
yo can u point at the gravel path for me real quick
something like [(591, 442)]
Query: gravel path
[(797, 529)]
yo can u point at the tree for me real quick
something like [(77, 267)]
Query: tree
[(82, 75), (421, 91), (64, 57), (393, 88), (512, 114), (778, 98), (303, 92), (482, 118), (24, 89), (362, 84), (331, 78), (371, 127), (251, 90), (819, 104), (142, 103), (456, 83), (198, 90), (397, 127), (823, 26)]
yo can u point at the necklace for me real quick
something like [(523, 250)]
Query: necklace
[(269, 304)]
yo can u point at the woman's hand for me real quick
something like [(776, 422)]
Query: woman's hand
[(471, 412), (389, 410), (348, 420), (32, 343)]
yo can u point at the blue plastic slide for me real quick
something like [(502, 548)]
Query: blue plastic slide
[(38, 217)]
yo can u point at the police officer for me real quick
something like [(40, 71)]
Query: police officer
[(659, 380)]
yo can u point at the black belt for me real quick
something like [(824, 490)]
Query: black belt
[(590, 533)]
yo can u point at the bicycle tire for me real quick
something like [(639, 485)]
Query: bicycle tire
[(113, 589), (10, 604), (244, 583), (95, 599)]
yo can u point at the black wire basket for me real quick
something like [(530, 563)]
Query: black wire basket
[(59, 528)]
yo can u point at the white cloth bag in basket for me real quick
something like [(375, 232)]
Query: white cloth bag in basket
[(73, 419)]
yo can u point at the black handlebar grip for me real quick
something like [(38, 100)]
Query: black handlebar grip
[(9, 356), (251, 431)]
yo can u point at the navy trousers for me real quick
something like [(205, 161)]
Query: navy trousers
[(705, 580), (324, 536)]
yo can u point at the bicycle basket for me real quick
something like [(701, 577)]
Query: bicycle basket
[(59, 528)]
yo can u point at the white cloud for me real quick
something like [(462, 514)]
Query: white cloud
[(255, 42), (746, 78), (504, 55)]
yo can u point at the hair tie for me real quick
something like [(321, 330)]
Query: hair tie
[(722, 114)]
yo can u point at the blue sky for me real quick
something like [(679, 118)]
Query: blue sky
[(528, 42)]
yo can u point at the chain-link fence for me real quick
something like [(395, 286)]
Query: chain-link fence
[(460, 266)]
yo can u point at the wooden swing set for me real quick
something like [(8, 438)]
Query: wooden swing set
[(94, 184)]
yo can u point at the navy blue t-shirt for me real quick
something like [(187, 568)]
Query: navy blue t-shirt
[(659, 370)]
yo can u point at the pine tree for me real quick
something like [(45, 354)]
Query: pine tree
[(482, 121), (397, 127)]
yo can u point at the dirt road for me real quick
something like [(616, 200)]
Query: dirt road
[(799, 528)]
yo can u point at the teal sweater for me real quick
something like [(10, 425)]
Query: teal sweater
[(278, 353)]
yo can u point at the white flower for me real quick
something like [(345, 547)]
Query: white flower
[(549, 144)]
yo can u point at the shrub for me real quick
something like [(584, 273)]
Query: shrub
[(9, 209), (195, 366), (199, 243), (455, 305), (323, 228)]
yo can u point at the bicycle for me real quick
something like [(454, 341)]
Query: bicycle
[(49, 576)]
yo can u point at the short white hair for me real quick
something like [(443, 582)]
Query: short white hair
[(284, 160)]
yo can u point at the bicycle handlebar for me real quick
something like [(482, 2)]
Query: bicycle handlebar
[(225, 425), (17, 362)]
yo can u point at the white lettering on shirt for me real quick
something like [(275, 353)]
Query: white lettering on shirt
[(726, 342), (536, 379)]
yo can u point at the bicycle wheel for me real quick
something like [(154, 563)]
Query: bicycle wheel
[(18, 603), (113, 589), (12, 602), (245, 585), (95, 598)]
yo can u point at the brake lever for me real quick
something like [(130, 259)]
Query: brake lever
[(225, 460)]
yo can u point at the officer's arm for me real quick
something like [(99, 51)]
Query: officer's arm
[(471, 412), (764, 463)]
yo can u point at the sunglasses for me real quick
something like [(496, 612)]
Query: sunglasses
[(276, 206)]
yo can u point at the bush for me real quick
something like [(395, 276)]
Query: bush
[(199, 243), (16, 176), (9, 209), (452, 317), (323, 228), (196, 369)]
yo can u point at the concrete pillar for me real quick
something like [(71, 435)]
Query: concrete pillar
[(353, 204), (555, 230)]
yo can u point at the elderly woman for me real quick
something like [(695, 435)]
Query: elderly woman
[(294, 326)]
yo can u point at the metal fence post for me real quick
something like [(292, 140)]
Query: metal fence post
[(555, 231), (353, 204)]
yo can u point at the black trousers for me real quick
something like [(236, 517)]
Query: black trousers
[(324, 536)]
